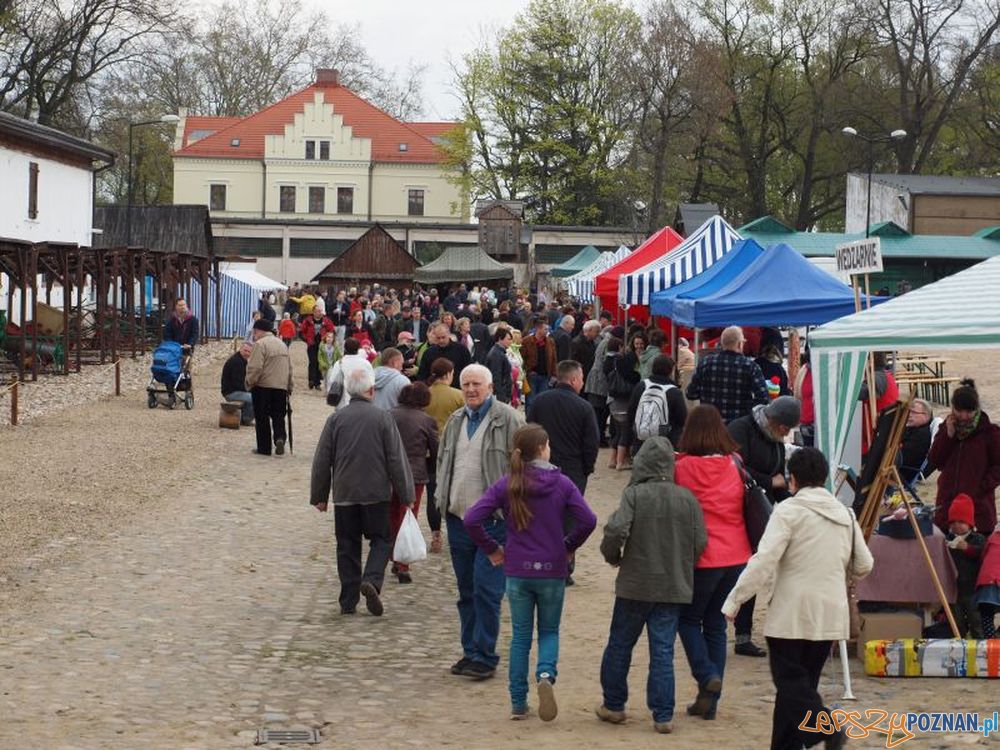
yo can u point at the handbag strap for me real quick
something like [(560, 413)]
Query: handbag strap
[(748, 481)]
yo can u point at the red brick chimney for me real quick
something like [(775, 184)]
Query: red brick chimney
[(327, 77)]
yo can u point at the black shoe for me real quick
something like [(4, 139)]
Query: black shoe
[(258, 453), (279, 447), (706, 700), (372, 600), (836, 740), (404, 578), (749, 648), (570, 581), (459, 666), (477, 670), (348, 610)]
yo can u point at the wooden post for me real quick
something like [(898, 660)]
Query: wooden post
[(927, 557), (868, 293), (118, 377), (13, 402)]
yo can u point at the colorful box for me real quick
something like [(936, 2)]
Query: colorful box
[(933, 657)]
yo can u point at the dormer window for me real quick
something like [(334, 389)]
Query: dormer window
[(235, 142), (403, 147)]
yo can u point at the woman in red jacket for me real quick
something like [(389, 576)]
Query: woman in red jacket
[(707, 467), (967, 452)]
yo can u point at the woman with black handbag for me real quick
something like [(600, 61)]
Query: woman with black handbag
[(761, 436), (707, 466), (622, 377)]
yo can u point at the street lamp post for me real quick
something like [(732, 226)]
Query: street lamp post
[(871, 140), (129, 187)]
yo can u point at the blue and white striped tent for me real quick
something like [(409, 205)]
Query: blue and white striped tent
[(699, 251), (581, 285), (240, 288)]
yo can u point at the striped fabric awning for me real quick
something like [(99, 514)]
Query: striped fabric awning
[(239, 289), (699, 251), (581, 285)]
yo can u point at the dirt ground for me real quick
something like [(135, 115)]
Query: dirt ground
[(80, 482)]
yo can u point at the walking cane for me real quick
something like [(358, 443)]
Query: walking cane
[(848, 695), (288, 413)]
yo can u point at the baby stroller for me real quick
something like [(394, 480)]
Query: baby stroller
[(172, 369)]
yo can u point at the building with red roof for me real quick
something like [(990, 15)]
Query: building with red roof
[(321, 153)]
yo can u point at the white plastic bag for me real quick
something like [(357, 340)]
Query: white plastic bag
[(410, 545)]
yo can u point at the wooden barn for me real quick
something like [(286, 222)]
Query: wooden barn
[(374, 257)]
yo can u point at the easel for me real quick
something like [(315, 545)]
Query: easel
[(888, 474)]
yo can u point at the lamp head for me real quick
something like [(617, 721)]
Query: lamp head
[(849, 131)]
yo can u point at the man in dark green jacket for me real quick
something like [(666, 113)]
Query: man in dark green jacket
[(655, 538)]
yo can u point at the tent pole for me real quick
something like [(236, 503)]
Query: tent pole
[(697, 344), (673, 340)]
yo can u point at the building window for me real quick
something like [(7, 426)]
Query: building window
[(310, 149), (324, 150), (416, 203), (217, 198), (32, 190), (345, 200), (287, 202), (317, 200)]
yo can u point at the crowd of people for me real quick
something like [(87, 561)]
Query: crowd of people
[(490, 407)]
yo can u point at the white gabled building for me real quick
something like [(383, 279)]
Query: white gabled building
[(46, 183)]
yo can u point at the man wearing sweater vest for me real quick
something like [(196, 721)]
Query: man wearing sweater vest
[(474, 453)]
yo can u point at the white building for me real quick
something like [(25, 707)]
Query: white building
[(46, 183), (46, 193)]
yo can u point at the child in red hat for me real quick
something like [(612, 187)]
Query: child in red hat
[(988, 585), (966, 547)]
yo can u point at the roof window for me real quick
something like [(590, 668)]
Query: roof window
[(235, 142), (403, 147)]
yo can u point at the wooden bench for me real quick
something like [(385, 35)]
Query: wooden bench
[(928, 386)]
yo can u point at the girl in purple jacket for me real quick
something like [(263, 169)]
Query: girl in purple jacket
[(534, 497)]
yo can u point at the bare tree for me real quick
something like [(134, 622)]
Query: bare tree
[(53, 53), (931, 47)]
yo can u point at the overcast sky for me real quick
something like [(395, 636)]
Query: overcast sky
[(395, 32)]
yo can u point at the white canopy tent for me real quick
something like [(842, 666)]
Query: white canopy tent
[(581, 285), (959, 312)]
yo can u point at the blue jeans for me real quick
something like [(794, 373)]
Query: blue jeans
[(539, 384), (246, 417), (480, 590), (525, 595), (703, 626), (627, 622)]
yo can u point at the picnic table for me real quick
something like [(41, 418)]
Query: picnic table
[(926, 374)]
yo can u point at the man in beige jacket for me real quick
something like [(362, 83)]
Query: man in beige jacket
[(269, 380), (811, 544)]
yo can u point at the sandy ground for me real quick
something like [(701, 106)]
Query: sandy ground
[(78, 480)]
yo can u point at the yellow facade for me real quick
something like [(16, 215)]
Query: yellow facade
[(380, 190)]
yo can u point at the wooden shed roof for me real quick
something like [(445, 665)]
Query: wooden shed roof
[(374, 256), (171, 229)]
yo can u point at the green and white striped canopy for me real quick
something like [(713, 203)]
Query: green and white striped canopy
[(958, 312)]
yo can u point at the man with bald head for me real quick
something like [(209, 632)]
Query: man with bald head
[(729, 380), (234, 378), (474, 453)]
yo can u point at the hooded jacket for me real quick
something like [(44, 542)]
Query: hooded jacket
[(971, 466), (989, 570), (389, 382), (803, 559), (657, 533), (540, 549)]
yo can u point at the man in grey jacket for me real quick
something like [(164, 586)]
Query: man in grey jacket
[(473, 454), (361, 455)]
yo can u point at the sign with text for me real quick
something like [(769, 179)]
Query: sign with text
[(860, 257)]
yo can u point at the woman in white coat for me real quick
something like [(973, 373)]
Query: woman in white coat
[(812, 540)]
